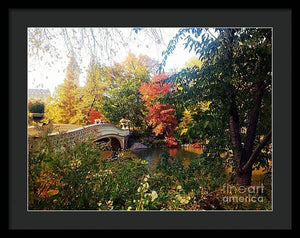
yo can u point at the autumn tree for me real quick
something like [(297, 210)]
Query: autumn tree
[(122, 99), (90, 96), (187, 113), (63, 106), (236, 79), (160, 115)]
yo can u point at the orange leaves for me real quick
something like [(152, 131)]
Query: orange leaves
[(166, 111), (46, 180), (159, 115), (158, 129), (150, 91), (29, 104), (53, 192), (159, 77), (45, 193), (173, 151)]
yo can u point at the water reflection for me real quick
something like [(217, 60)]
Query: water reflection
[(184, 154)]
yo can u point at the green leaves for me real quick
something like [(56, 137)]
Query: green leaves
[(122, 100), (205, 124), (234, 60)]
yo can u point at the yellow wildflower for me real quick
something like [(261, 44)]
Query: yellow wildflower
[(153, 196), (179, 187)]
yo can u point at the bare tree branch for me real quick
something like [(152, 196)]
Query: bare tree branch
[(211, 34)]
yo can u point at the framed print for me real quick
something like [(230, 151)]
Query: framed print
[(122, 120)]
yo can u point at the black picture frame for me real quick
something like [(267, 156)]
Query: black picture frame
[(281, 22)]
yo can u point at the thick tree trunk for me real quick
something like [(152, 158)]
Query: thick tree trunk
[(253, 119), (234, 129), (244, 178), (243, 154)]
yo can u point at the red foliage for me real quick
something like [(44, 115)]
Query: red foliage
[(159, 115), (197, 145), (173, 151), (94, 115), (171, 142)]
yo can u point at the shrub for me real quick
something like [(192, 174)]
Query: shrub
[(76, 177), (211, 170), (64, 177), (37, 107)]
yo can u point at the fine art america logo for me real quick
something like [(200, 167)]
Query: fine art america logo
[(243, 194)]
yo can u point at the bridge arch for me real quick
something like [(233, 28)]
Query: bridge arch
[(116, 141)]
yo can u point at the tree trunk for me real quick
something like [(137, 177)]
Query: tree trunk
[(244, 178)]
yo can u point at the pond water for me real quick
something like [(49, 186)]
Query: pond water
[(185, 154), (151, 155)]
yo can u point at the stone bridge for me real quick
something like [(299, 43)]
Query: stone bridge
[(96, 132)]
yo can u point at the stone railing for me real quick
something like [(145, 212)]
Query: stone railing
[(90, 132)]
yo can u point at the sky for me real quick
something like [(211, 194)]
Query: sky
[(42, 74)]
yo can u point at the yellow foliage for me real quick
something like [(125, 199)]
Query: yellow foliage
[(204, 106), (194, 61), (185, 121), (183, 131), (223, 155)]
